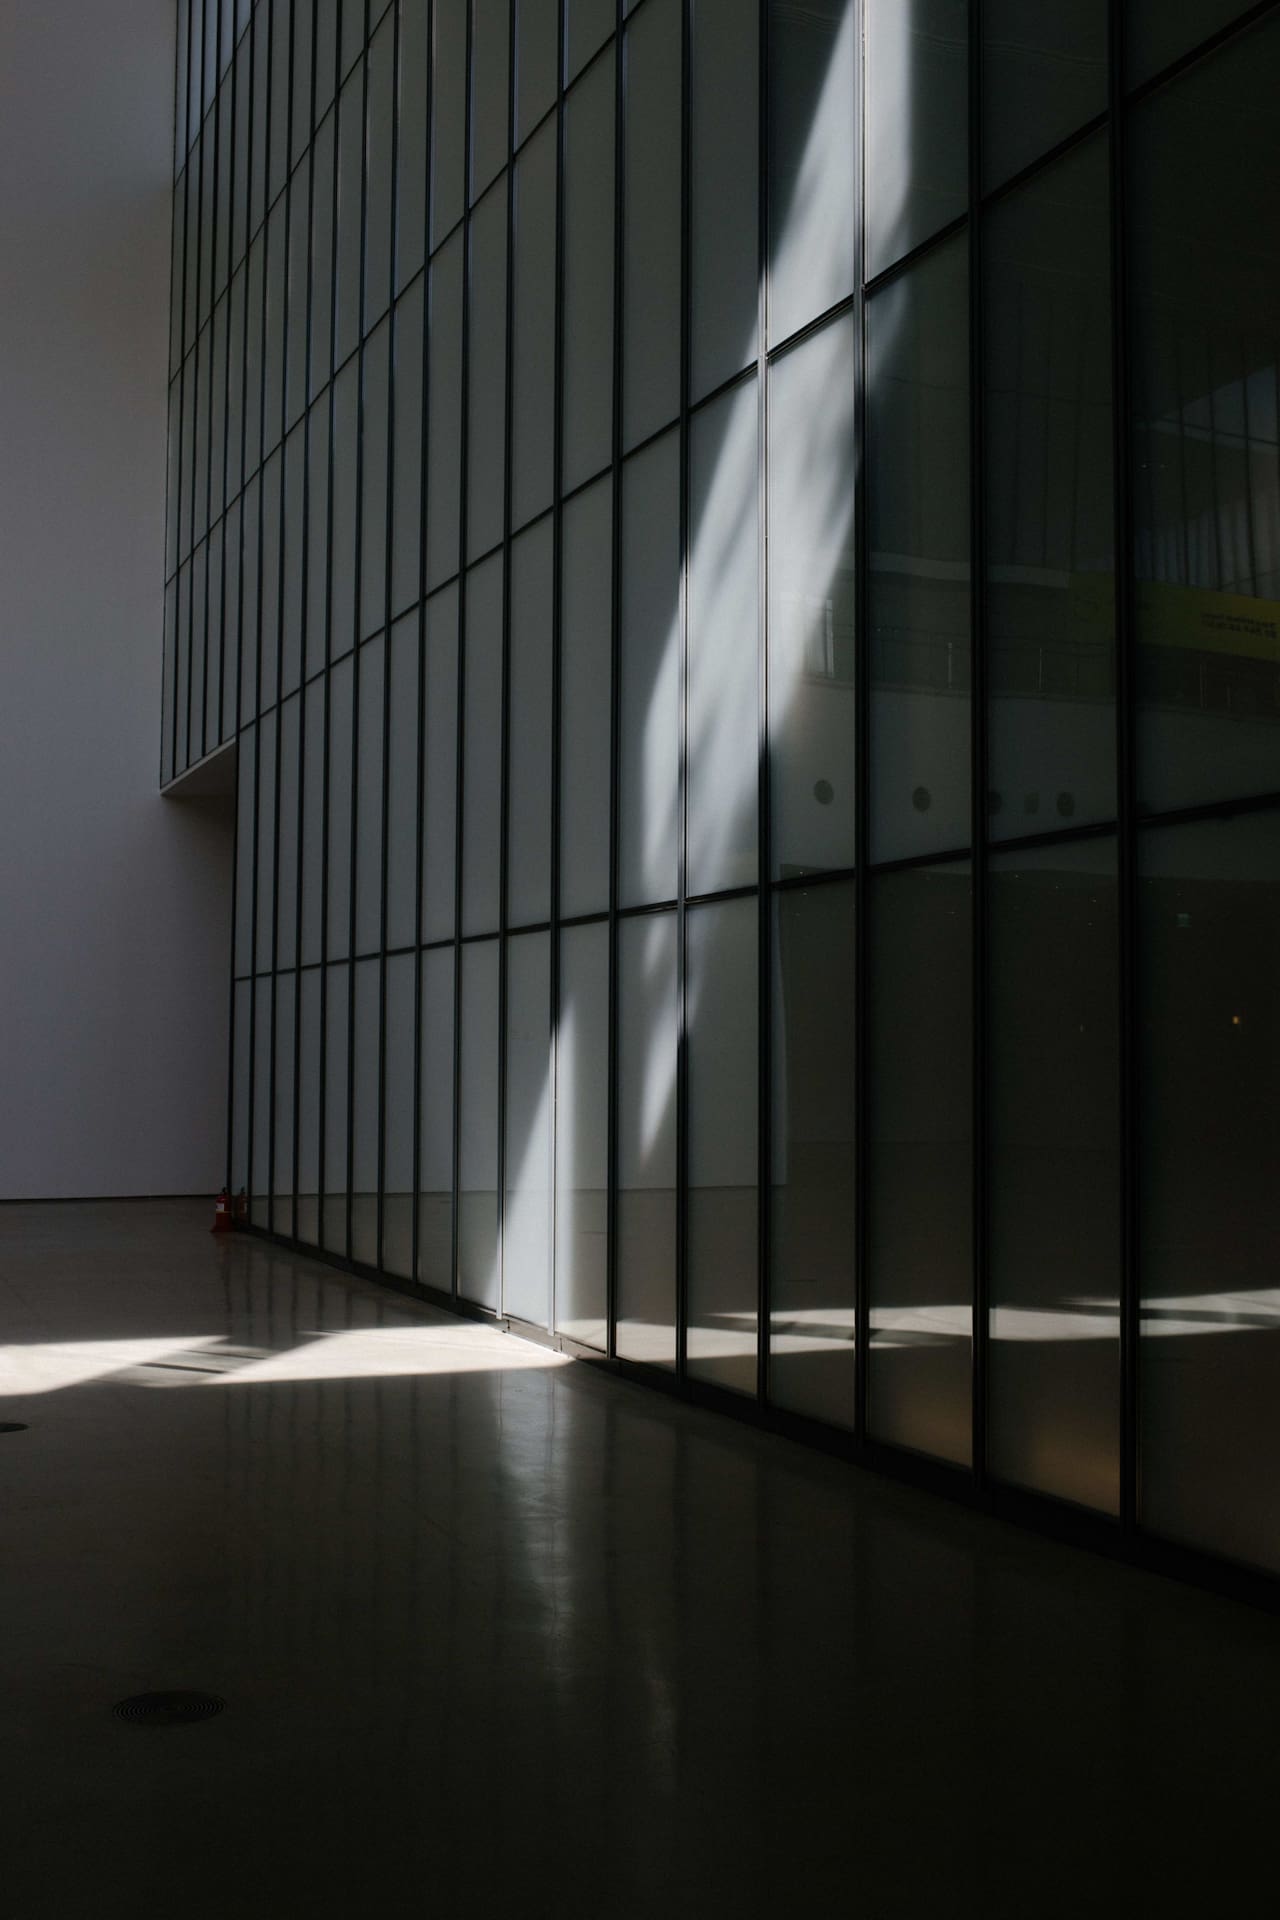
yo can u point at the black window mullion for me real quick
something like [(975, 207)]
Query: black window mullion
[(389, 520), (978, 752)]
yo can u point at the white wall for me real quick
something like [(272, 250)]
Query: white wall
[(114, 903)]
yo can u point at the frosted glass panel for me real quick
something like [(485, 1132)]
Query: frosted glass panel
[(918, 531), (333, 1225), (529, 747), (588, 275), (397, 1172), (440, 756), (725, 158), (482, 749), (490, 57), (649, 748), (651, 222), (533, 347), (486, 410), (444, 432), (723, 1145), (364, 1115), (811, 134), (1053, 1398), (372, 672), (646, 1227), (813, 1218), (582, 1135), (526, 1238), (402, 783), (811, 602), (478, 1267), (722, 699), (435, 1106), (919, 1161), (915, 94), (585, 673)]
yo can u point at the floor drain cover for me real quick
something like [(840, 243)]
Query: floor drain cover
[(168, 1709), (13, 1426)]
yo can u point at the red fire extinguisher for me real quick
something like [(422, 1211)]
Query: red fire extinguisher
[(222, 1220)]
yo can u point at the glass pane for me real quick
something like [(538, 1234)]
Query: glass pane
[(1053, 1400), (241, 1089), (588, 276), (282, 1146), (725, 165), (307, 1223), (478, 1275), (587, 25), (407, 480), (526, 1235), (246, 805), (292, 559), (444, 420), (269, 584), (1209, 943), (1049, 503), (260, 1152), (915, 95), (482, 749), (350, 146), (296, 359), (648, 1024), (585, 673), (486, 407), (723, 1149), (490, 57), (813, 1224), (342, 542), (448, 118), (722, 695), (918, 593), (287, 835), (533, 346), (1156, 33), (811, 602), (379, 168), (1206, 474), (266, 850), (435, 1097), (313, 765), (529, 747), (649, 694), (335, 1070), (397, 1171), (582, 1135), (372, 671), (338, 924), (920, 1160), (1044, 74), (364, 1115), (373, 481), (402, 783), (811, 161), (537, 25), (411, 153), (651, 222), (317, 621), (322, 256), (440, 772)]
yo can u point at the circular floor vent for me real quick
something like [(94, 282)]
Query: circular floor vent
[(13, 1426), (175, 1709)]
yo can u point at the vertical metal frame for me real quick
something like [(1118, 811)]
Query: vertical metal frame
[(388, 549), (978, 749), (615, 702), (765, 896), (682, 864), (357, 621), (1126, 716), (420, 832), (861, 770), (504, 720)]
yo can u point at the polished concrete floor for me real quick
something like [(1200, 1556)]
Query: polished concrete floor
[(499, 1634)]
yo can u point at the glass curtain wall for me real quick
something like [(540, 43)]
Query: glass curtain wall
[(739, 548)]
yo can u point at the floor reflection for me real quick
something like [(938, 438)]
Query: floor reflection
[(498, 1632)]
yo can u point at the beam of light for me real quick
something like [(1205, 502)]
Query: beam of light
[(52, 1364)]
